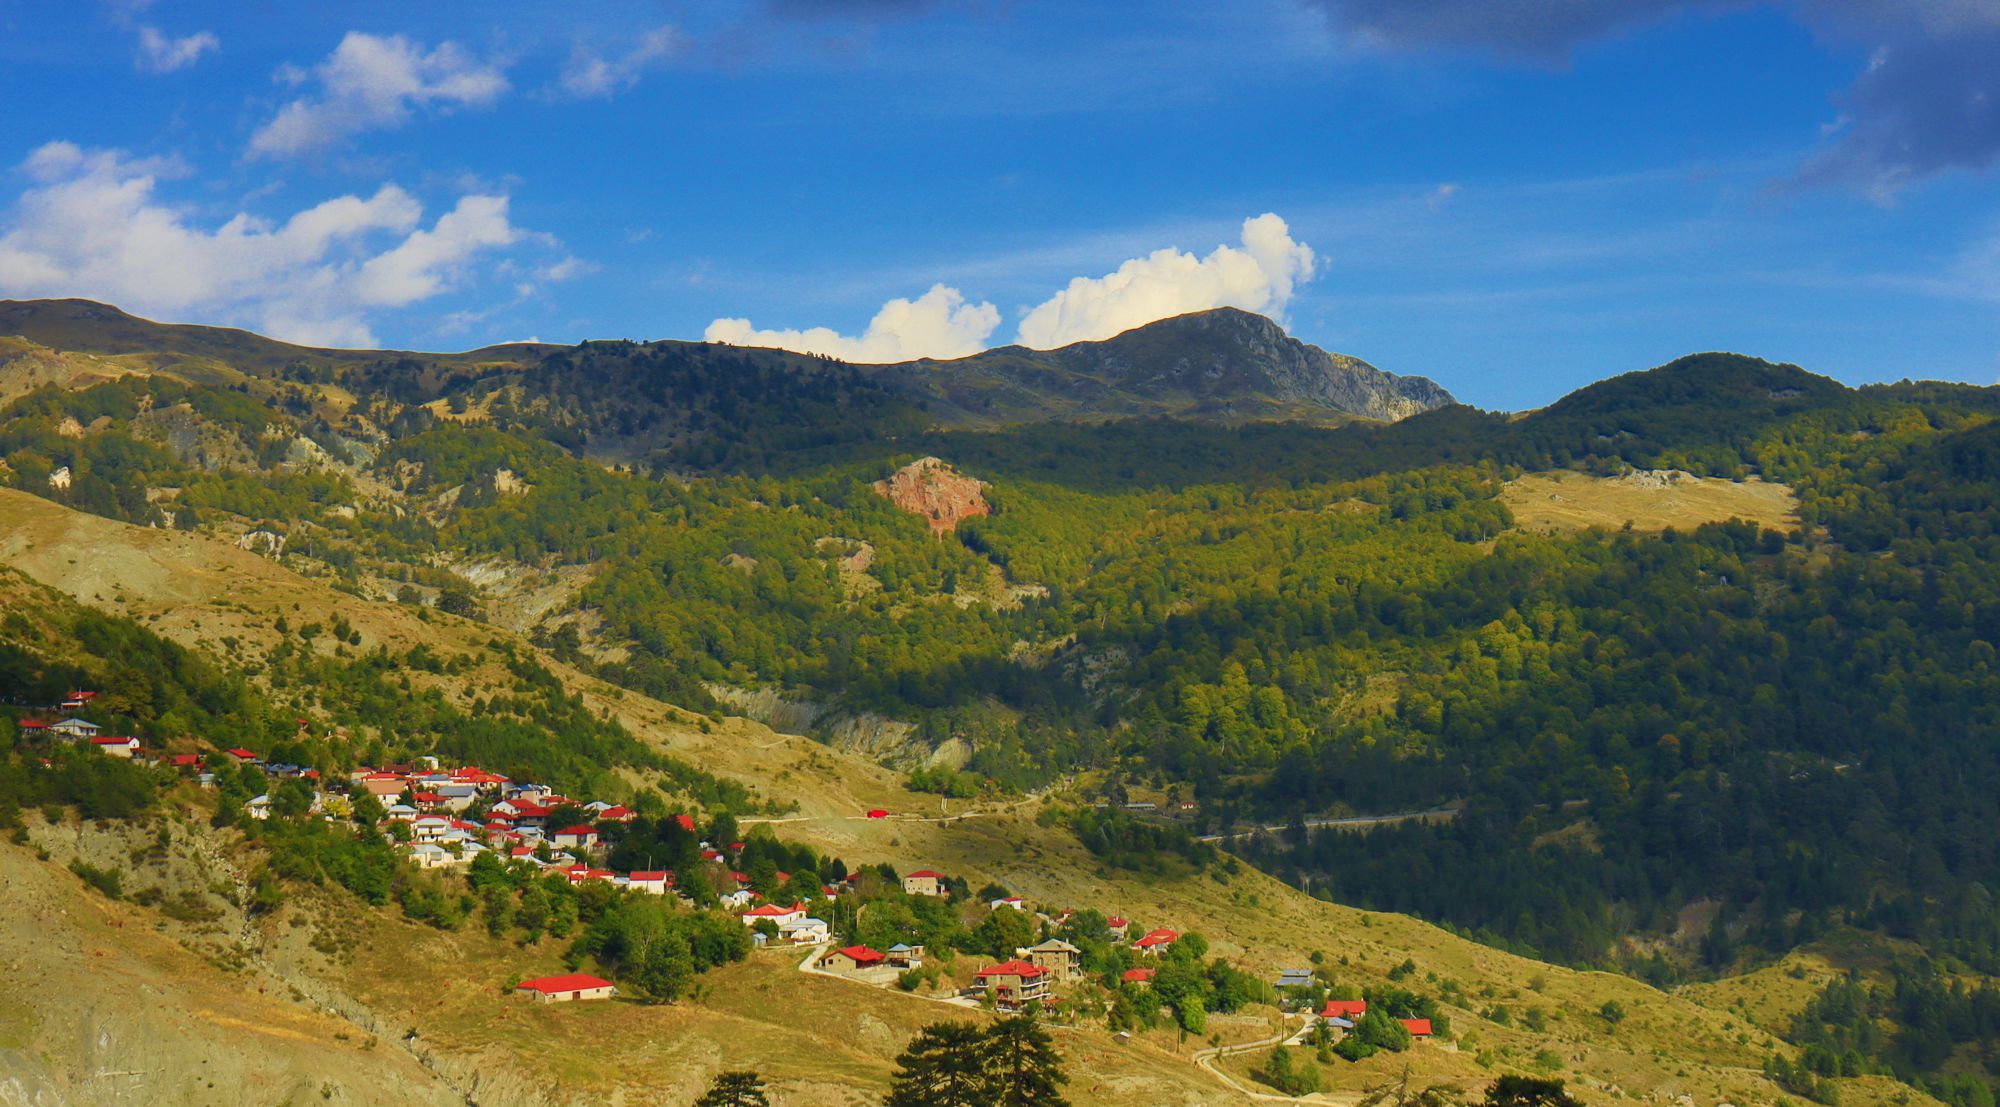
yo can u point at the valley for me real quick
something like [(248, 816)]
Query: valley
[(1589, 732)]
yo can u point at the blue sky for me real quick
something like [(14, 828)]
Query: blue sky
[(1513, 199)]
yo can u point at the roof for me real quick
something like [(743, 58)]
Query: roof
[(107, 740), (686, 821), (899, 947), (186, 759), (241, 752), (570, 982), (1344, 1009), (1010, 968), (1419, 1028), (33, 724), (1158, 937), (1117, 922), (771, 910), (860, 955), (578, 830), (924, 872), (1138, 976)]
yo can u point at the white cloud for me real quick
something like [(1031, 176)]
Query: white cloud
[(162, 53), (373, 81), (938, 324), (91, 225), (1259, 276), (590, 74)]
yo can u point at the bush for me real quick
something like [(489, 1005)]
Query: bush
[(108, 881)]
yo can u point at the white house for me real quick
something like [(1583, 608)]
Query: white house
[(805, 931), (1008, 901), (739, 899), (564, 989), (574, 837), (73, 727), (429, 828), (775, 913), (116, 747), (259, 808), (428, 856), (650, 881)]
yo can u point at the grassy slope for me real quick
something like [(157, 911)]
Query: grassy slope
[(819, 1033), (1551, 502)]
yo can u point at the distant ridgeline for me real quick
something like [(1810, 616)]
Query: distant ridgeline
[(1207, 564)]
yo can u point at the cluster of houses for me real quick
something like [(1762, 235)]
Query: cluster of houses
[(1030, 976), (430, 801)]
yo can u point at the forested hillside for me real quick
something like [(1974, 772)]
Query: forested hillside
[(1792, 723)]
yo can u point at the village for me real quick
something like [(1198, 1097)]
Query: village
[(451, 818)]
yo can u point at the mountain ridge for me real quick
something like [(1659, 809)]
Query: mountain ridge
[(1219, 365)]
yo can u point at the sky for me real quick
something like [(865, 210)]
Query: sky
[(1513, 199)]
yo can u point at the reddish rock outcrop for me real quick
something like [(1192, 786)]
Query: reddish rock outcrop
[(934, 490)]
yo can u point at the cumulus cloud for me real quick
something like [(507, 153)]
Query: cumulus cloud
[(371, 82), (91, 224), (160, 52), (938, 324), (1259, 275), (1929, 100), (590, 74)]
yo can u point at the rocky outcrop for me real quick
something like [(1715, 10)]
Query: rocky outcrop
[(933, 489)]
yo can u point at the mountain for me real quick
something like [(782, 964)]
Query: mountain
[(1681, 677), (1224, 365)]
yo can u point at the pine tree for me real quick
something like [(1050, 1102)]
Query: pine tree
[(734, 1089), (944, 1066), (1023, 1065)]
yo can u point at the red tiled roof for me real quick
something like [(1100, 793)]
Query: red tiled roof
[(108, 740), (1344, 1009), (924, 872), (860, 955), (1137, 976), (578, 830), (183, 760), (572, 982), (33, 724), (1117, 922), (241, 752), (1021, 969), (650, 874), (1419, 1028), (1161, 937), (772, 910), (686, 821)]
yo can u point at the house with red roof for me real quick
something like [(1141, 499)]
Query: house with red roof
[(185, 761), (923, 882), (567, 988), (651, 881), (242, 756), (775, 913), (1117, 924), (33, 728), (1344, 1009), (686, 821), (1418, 1028), (1138, 976), (1156, 941), (849, 959), (1014, 984), (574, 837), (116, 747)]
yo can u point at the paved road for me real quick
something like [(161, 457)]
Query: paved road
[(1358, 822)]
